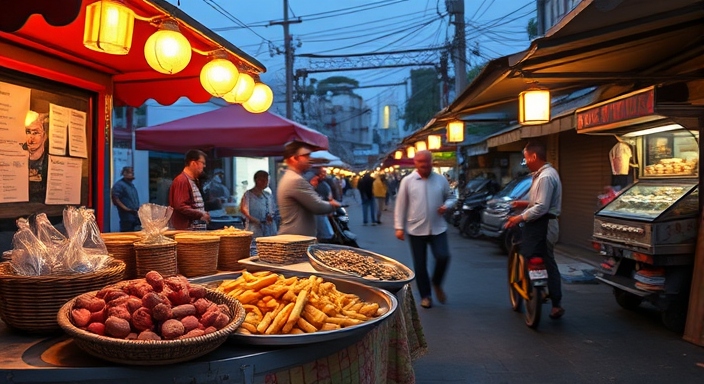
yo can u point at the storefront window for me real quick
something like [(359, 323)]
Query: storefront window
[(674, 153)]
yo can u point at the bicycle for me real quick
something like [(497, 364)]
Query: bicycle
[(527, 281)]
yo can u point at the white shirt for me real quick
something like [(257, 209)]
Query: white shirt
[(417, 203)]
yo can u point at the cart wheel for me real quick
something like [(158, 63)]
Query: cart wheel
[(675, 316), (627, 300)]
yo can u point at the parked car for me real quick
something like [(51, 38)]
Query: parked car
[(498, 209)]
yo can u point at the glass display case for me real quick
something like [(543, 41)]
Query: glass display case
[(648, 201), (670, 154)]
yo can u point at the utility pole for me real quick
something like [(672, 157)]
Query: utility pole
[(288, 54), (456, 10)]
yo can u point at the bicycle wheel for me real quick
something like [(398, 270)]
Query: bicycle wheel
[(534, 306), (515, 277)]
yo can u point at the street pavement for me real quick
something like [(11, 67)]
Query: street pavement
[(476, 338)]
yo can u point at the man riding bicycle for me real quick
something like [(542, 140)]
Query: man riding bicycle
[(540, 231)]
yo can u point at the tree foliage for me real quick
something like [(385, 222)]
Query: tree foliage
[(532, 29), (336, 85), (424, 101)]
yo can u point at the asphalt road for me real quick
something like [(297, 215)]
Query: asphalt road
[(477, 338)]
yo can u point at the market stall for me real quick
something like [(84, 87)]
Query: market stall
[(383, 354), (648, 230)]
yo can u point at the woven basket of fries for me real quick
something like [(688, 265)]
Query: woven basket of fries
[(197, 253), (120, 245), (160, 257), (284, 249)]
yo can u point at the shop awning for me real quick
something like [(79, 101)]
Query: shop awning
[(55, 28), (229, 131), (637, 42)]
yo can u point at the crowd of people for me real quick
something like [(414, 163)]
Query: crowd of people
[(306, 196)]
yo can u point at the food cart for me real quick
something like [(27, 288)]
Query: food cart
[(648, 232)]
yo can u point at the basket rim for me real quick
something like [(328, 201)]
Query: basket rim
[(219, 336), (114, 266)]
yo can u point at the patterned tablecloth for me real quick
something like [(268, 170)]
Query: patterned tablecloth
[(384, 355)]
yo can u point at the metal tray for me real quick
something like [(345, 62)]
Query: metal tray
[(375, 295), (391, 285)]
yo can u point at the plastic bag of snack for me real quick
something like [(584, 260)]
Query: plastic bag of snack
[(54, 240), (86, 250), (31, 255), (155, 219)]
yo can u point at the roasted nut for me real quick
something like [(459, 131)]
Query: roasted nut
[(117, 327), (148, 335), (162, 312), (183, 310), (80, 317), (172, 329), (142, 320), (97, 328), (155, 279)]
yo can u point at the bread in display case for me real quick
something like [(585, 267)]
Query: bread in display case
[(650, 201)]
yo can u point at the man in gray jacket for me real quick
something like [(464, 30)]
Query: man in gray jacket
[(298, 202)]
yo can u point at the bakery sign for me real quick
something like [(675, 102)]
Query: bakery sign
[(633, 108)]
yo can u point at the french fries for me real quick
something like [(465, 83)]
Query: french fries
[(278, 305)]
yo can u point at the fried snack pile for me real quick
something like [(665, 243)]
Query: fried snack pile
[(279, 305)]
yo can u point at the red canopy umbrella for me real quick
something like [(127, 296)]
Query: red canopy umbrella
[(230, 131)]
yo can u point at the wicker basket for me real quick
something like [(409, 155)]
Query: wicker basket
[(152, 352), (234, 247), (156, 257), (121, 246), (284, 249), (30, 303), (197, 254)]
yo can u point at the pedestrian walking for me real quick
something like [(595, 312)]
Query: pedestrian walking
[(422, 199), (379, 191), (365, 187)]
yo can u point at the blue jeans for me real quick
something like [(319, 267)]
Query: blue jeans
[(368, 209), (441, 253)]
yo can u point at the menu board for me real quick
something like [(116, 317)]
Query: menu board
[(45, 139)]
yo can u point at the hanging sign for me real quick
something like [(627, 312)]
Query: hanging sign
[(632, 108)]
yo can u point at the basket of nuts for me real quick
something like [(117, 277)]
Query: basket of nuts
[(151, 321)]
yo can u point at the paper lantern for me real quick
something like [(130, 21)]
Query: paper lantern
[(534, 106), (261, 99), (421, 146), (219, 76), (398, 155), (243, 90), (455, 131), (434, 142), (108, 28), (411, 152), (167, 50)]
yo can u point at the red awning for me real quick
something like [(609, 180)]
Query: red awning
[(231, 131), (51, 30)]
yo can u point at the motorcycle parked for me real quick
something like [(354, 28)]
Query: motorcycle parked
[(473, 203), (341, 230)]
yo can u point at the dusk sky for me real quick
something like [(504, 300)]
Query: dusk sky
[(339, 27)]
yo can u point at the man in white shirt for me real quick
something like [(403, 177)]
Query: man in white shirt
[(422, 199)]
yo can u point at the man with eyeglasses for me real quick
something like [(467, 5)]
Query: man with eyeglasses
[(298, 202), (185, 197)]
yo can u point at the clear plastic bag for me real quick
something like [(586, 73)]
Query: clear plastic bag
[(54, 240), (31, 255), (86, 250), (155, 219)]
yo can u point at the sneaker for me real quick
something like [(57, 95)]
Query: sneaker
[(426, 302), (440, 294), (364, 224), (373, 223), (378, 222)]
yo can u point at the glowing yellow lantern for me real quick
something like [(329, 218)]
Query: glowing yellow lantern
[(167, 50), (421, 146), (219, 76), (108, 28), (455, 131), (411, 152), (243, 90), (534, 106), (261, 100), (398, 155), (434, 142)]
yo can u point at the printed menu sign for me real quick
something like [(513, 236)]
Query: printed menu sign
[(64, 180), (14, 180), (14, 104), (58, 127), (77, 134)]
